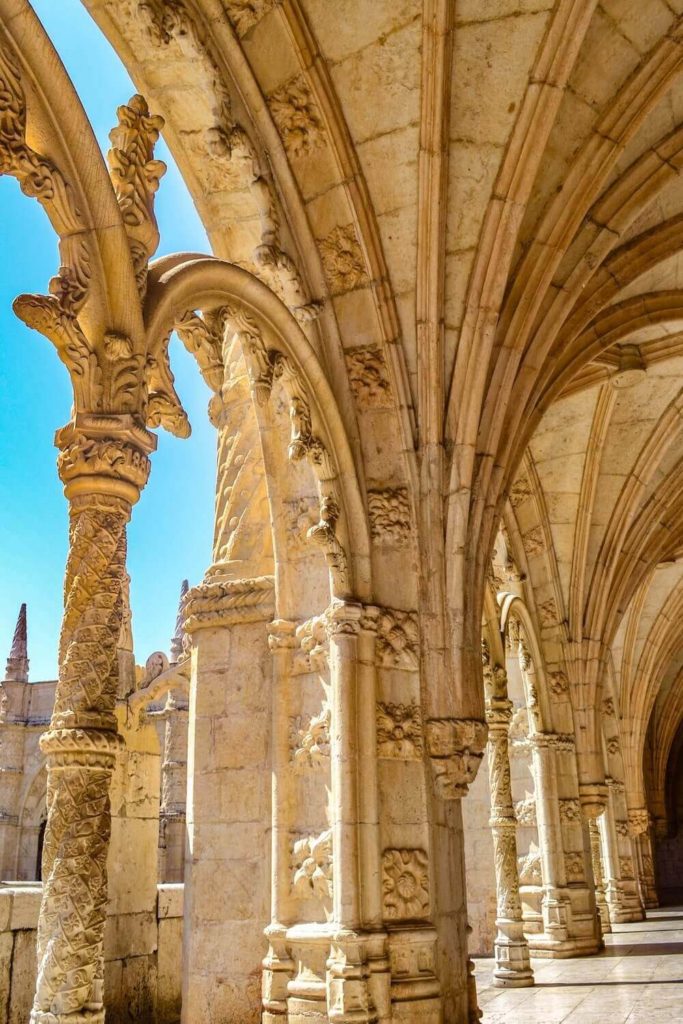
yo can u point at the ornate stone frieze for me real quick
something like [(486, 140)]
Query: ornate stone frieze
[(455, 747), (135, 175), (369, 377), (100, 458), (562, 742), (570, 811), (573, 867), (297, 117), (615, 784), (399, 731), (310, 741), (389, 512), (225, 602), (405, 884), (397, 639), (312, 866), (244, 14), (343, 260)]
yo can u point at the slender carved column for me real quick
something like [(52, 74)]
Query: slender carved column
[(556, 904), (278, 966), (513, 969), (599, 875), (639, 826), (348, 992), (103, 470)]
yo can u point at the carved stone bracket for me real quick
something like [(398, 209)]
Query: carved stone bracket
[(638, 821), (455, 747)]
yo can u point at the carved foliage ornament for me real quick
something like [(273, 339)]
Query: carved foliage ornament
[(343, 260), (399, 731), (244, 14), (405, 882), (297, 117), (369, 377), (312, 866), (389, 512), (397, 639), (311, 741)]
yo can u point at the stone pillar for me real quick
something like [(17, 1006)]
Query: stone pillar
[(631, 906), (556, 905), (227, 863), (513, 969), (103, 465)]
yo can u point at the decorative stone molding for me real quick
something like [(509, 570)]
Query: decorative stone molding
[(389, 513), (399, 731), (573, 867), (397, 639), (312, 866), (622, 829), (562, 742), (405, 884), (227, 602), (613, 745), (343, 260), (369, 377), (570, 811), (311, 743), (312, 637), (297, 117), (455, 747), (244, 14)]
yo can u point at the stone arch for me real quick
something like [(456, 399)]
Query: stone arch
[(31, 818)]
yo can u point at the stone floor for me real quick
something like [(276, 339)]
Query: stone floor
[(638, 978)]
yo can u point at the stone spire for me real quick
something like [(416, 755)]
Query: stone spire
[(178, 639), (17, 663)]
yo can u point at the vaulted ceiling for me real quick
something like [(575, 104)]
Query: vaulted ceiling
[(486, 196)]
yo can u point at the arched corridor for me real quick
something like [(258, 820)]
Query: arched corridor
[(637, 979), (423, 703)]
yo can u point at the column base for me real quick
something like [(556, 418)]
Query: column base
[(79, 1017)]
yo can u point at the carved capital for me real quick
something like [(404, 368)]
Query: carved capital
[(638, 821), (498, 714), (456, 747), (593, 798), (104, 455)]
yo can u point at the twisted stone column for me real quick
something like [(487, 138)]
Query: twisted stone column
[(513, 969), (103, 465)]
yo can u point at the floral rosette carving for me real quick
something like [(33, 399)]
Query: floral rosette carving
[(405, 882)]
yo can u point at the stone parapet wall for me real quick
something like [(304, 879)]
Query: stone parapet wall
[(142, 971)]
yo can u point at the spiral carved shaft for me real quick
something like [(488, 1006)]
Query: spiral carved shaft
[(81, 746), (503, 823)]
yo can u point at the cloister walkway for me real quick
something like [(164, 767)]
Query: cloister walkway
[(638, 979)]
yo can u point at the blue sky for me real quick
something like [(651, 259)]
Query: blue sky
[(171, 530)]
